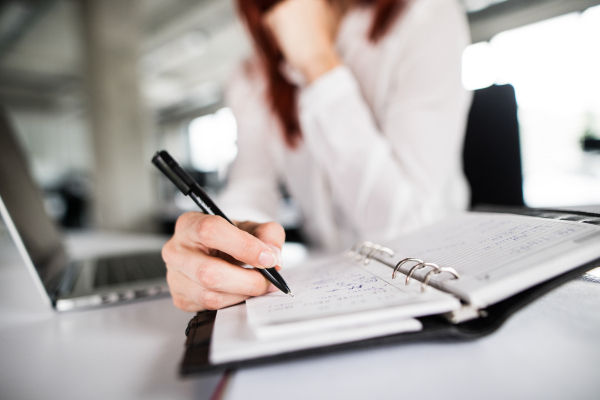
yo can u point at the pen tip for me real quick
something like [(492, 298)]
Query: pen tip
[(291, 294)]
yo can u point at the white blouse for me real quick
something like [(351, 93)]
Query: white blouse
[(382, 134)]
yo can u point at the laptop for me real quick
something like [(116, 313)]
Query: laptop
[(66, 284)]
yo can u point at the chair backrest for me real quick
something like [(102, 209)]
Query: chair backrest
[(492, 153)]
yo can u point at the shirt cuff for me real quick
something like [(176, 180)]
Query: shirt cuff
[(327, 89)]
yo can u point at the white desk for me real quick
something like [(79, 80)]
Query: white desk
[(122, 352), (549, 350)]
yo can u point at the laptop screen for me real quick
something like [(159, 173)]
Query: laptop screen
[(24, 202)]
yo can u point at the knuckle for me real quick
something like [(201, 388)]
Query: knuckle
[(272, 231), (211, 300), (186, 305), (168, 252), (208, 276), (275, 228), (183, 222), (179, 302), (206, 228)]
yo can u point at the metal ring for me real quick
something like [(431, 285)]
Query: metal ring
[(420, 266), (413, 269), (370, 254), (402, 262), (417, 267), (363, 250), (450, 270), (358, 245), (439, 270), (378, 249), (359, 252)]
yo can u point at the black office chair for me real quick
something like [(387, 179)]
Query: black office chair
[(491, 153)]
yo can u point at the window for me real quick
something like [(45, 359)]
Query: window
[(212, 141), (553, 66)]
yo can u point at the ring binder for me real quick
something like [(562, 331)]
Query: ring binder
[(439, 270), (397, 267), (358, 248), (378, 249), (472, 320), (419, 266), (357, 251), (368, 250)]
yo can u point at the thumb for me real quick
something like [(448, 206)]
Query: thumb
[(270, 233)]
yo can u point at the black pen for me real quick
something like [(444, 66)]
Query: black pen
[(189, 187)]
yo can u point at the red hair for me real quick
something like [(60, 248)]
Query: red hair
[(282, 93)]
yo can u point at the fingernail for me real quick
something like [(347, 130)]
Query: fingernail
[(267, 259), (272, 289), (277, 251)]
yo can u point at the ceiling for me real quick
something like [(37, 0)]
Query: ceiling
[(189, 47)]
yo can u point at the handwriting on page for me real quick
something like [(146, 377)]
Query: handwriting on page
[(526, 238), (324, 291), (494, 246)]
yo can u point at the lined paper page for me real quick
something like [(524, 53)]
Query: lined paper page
[(498, 255), (341, 287)]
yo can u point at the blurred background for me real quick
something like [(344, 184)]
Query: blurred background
[(94, 87)]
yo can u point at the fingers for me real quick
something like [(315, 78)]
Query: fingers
[(270, 233), (189, 296), (198, 273), (216, 274), (183, 303), (305, 33), (196, 229)]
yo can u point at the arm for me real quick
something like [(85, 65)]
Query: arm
[(204, 256), (251, 192), (395, 172)]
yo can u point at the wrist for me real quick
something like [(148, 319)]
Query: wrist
[(320, 65)]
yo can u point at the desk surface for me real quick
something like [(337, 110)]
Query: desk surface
[(129, 351), (549, 350)]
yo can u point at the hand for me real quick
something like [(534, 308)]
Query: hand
[(204, 257), (305, 32)]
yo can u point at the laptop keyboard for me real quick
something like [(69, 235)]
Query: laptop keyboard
[(129, 268)]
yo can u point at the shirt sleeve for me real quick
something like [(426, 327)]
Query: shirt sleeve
[(251, 192), (402, 169)]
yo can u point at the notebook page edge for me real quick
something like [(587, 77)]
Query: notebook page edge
[(232, 339)]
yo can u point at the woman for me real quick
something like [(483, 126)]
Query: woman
[(357, 106)]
